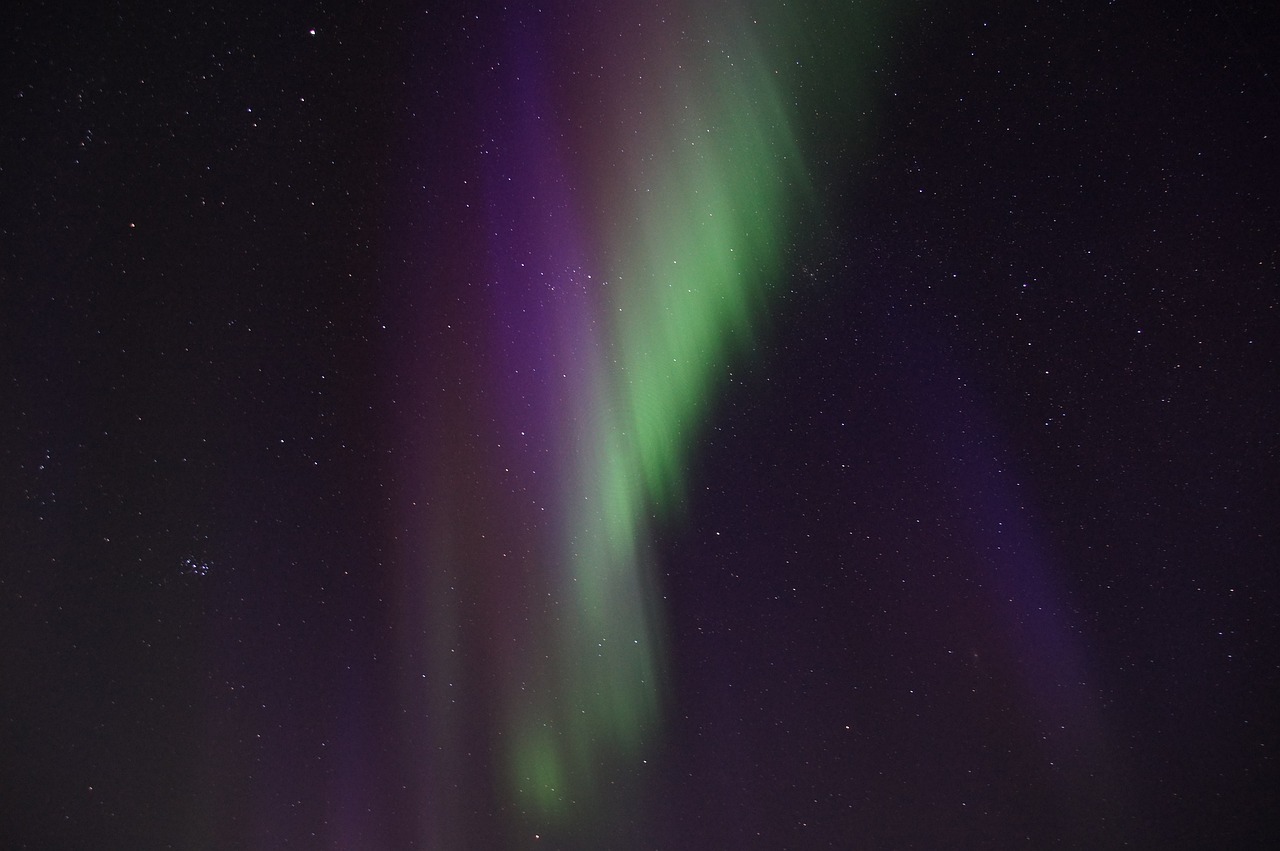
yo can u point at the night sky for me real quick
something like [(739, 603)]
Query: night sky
[(670, 425)]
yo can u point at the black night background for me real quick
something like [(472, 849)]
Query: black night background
[(320, 324)]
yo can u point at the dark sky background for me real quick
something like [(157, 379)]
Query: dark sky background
[(978, 549)]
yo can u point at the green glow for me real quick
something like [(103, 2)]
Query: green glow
[(705, 194), (536, 772), (708, 240), (686, 294)]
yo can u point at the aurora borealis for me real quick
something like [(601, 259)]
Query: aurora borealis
[(628, 268), (687, 231), (638, 231), (702, 425)]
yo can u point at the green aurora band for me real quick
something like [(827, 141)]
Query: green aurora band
[(699, 188), (688, 276)]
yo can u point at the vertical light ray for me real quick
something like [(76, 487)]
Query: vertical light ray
[(678, 291), (629, 264)]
